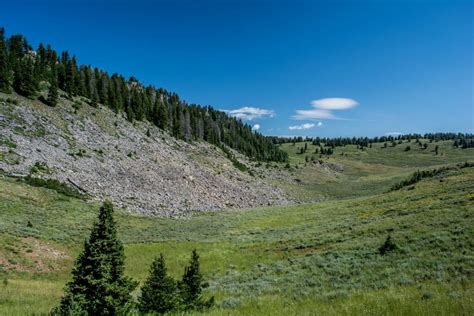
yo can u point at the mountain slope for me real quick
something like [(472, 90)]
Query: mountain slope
[(103, 154), (30, 72)]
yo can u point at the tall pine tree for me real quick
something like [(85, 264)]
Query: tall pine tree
[(5, 78), (53, 94), (98, 286), (24, 80)]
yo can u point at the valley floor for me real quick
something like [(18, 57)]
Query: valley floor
[(316, 258)]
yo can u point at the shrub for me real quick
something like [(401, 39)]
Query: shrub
[(242, 167), (40, 166), (419, 175), (55, 185), (387, 246)]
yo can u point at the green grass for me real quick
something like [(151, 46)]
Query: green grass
[(365, 172), (309, 259)]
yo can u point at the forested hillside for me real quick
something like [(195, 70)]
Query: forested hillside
[(28, 72)]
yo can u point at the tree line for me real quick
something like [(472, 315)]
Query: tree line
[(99, 286), (28, 72), (462, 140)]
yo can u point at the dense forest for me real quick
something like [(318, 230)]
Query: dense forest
[(29, 72), (460, 140)]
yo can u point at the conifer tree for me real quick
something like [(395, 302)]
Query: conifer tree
[(163, 116), (24, 79), (53, 94), (98, 286), (159, 293), (94, 98), (5, 79), (191, 286)]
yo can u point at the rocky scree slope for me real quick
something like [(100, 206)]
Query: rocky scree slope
[(136, 165)]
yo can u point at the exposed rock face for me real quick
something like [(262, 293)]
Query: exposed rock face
[(109, 157)]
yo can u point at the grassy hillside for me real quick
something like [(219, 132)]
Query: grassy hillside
[(315, 258), (363, 172)]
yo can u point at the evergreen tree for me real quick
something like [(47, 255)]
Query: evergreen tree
[(98, 286), (53, 94), (5, 78), (191, 286), (24, 79), (94, 98), (159, 293)]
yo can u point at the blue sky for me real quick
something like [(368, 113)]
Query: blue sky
[(315, 68)]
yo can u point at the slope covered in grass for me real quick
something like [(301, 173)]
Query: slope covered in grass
[(352, 172), (301, 259)]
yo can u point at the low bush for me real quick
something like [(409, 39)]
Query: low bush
[(55, 185), (419, 175)]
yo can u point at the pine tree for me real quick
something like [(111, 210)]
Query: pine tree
[(98, 286), (5, 78), (94, 98), (191, 286), (163, 116), (159, 293), (24, 79), (53, 94)]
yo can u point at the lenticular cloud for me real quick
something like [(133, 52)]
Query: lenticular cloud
[(334, 103)]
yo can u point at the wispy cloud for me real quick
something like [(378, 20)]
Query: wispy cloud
[(248, 113), (304, 126), (314, 115), (256, 127), (322, 109)]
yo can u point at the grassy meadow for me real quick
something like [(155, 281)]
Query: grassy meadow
[(365, 172), (310, 259)]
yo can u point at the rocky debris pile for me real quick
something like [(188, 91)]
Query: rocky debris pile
[(105, 155)]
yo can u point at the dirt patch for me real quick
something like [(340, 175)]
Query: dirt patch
[(34, 255)]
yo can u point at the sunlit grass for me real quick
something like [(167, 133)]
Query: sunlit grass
[(319, 258)]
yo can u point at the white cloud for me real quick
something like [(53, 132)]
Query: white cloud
[(314, 115), (256, 127), (248, 113), (302, 126), (320, 124), (334, 103), (322, 109)]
